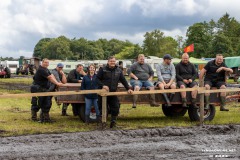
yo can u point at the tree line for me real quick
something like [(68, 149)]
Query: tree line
[(209, 38)]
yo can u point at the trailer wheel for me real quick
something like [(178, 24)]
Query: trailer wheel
[(176, 110), (93, 116), (76, 108), (194, 114)]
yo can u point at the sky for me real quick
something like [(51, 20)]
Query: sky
[(25, 22)]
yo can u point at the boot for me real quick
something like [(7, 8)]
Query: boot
[(34, 115), (206, 103), (184, 103), (87, 119), (135, 98), (45, 118), (152, 101), (194, 103), (223, 103), (113, 122), (166, 99)]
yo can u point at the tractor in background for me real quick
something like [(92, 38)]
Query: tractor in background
[(28, 65), (4, 72)]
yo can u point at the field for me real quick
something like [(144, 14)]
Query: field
[(144, 127)]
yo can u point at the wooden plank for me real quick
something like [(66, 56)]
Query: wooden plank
[(220, 90), (151, 91), (104, 109), (25, 95), (201, 83)]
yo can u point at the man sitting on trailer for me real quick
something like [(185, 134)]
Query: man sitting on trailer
[(74, 76), (60, 77), (141, 75), (186, 74), (166, 77), (214, 72)]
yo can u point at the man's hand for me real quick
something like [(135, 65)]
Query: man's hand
[(106, 88), (62, 73), (130, 91), (59, 84), (150, 78), (190, 80), (167, 85), (219, 69), (185, 81)]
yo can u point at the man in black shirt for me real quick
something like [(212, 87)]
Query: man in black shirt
[(108, 78), (215, 77), (186, 74), (41, 84)]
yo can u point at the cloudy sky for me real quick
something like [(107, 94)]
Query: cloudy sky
[(25, 22)]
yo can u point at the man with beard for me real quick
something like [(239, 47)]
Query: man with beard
[(166, 76), (141, 75), (214, 72), (108, 78), (186, 74)]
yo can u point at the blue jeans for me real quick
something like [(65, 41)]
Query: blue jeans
[(88, 105), (141, 84)]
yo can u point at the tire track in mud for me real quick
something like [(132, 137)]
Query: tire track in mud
[(161, 143)]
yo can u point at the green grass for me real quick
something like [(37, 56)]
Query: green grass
[(15, 117)]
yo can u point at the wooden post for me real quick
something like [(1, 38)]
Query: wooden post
[(201, 84), (104, 109)]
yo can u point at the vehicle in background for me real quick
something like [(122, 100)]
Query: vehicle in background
[(28, 65), (12, 65), (234, 63), (4, 71)]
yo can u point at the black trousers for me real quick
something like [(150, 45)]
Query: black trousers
[(43, 103), (112, 105)]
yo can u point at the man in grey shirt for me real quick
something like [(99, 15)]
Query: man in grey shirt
[(141, 75), (166, 77)]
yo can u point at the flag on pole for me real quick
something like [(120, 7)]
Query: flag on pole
[(189, 48)]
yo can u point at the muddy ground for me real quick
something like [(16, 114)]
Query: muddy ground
[(164, 143)]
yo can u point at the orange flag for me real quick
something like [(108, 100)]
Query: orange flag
[(189, 48)]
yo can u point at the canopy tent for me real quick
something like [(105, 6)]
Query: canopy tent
[(232, 61), (191, 59)]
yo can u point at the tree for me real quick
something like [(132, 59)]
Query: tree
[(40, 48)]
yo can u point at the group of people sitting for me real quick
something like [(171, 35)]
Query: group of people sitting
[(141, 75)]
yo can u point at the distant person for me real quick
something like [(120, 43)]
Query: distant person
[(120, 65), (186, 74), (141, 75), (41, 84), (108, 78), (74, 76), (214, 72), (166, 77), (89, 83)]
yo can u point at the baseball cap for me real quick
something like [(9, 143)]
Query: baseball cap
[(60, 65), (167, 56)]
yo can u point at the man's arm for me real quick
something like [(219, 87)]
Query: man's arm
[(159, 74), (64, 78), (71, 77), (194, 73), (202, 73), (178, 76), (99, 78), (130, 72), (52, 79)]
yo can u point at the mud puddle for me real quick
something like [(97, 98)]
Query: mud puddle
[(208, 142)]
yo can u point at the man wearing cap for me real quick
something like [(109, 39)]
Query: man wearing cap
[(59, 75), (74, 76), (166, 76), (186, 74), (141, 75)]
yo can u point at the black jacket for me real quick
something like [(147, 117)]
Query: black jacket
[(110, 77), (74, 76), (185, 71)]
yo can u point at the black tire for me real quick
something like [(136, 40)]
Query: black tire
[(17, 71), (176, 110), (194, 113), (76, 108)]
